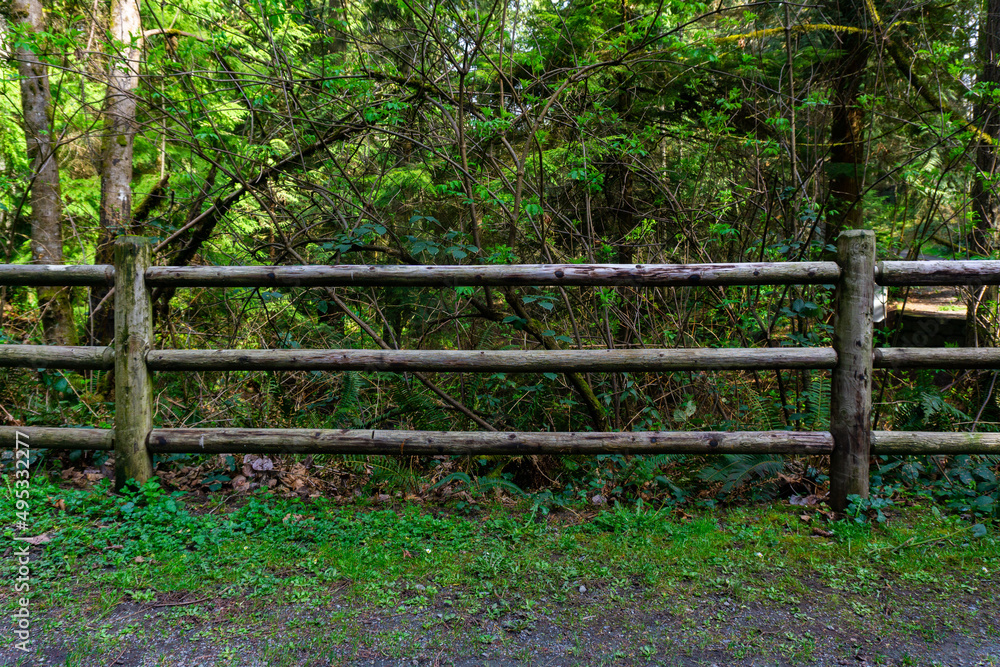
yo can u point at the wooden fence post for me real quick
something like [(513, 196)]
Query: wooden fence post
[(851, 385), (133, 384)]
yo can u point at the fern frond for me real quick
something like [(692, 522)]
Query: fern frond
[(736, 470), (348, 407)]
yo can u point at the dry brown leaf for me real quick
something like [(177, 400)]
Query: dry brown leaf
[(262, 464)]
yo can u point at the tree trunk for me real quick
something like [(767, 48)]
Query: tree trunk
[(46, 201), (982, 240), (981, 320), (847, 151), (124, 52)]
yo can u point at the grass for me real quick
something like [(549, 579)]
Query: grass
[(282, 578)]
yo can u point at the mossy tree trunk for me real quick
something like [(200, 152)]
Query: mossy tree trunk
[(46, 201), (123, 54)]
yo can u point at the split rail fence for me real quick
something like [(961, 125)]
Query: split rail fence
[(850, 441)]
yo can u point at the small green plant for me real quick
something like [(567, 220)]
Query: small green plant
[(864, 510), (622, 520), (480, 485)]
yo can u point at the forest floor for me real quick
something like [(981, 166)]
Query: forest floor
[(266, 580)]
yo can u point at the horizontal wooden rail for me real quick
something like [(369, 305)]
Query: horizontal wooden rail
[(37, 275), (57, 356), (497, 361), (275, 441), (931, 442), (315, 441), (651, 275), (888, 273), (938, 272), (46, 437), (492, 361), (937, 357)]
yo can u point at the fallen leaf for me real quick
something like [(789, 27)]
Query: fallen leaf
[(37, 539), (262, 464), (822, 533)]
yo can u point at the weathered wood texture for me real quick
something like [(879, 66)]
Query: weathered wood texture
[(493, 361), (35, 275), (652, 275), (890, 273), (929, 442), (133, 382), (851, 381), (44, 437), (314, 441), (939, 272), (57, 356), (938, 358), (389, 442)]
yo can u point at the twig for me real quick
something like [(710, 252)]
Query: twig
[(910, 542), (119, 656), (180, 604), (164, 604), (985, 401), (447, 398)]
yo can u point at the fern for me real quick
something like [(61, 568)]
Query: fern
[(384, 470), (925, 409), (348, 408), (641, 469), (765, 412), (817, 399), (479, 486), (734, 471)]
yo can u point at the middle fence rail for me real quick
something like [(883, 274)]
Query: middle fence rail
[(850, 441)]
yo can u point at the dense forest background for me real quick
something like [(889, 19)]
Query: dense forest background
[(386, 132)]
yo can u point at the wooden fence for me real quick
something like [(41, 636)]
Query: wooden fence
[(851, 360)]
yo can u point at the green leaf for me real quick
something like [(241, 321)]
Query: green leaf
[(983, 502)]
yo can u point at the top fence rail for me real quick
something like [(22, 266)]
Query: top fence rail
[(889, 273), (650, 275)]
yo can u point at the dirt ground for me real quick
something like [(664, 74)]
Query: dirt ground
[(606, 625)]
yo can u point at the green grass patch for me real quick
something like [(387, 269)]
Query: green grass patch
[(113, 559)]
